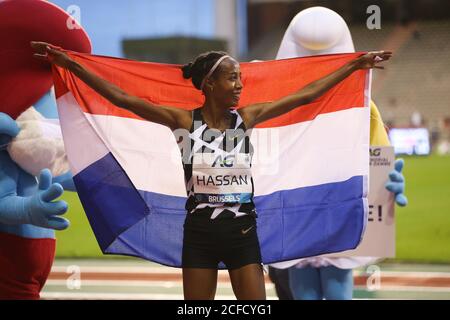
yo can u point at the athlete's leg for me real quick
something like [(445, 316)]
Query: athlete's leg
[(248, 282), (199, 283), (305, 283), (337, 284)]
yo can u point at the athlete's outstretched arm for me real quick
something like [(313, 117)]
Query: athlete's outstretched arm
[(258, 113), (171, 117)]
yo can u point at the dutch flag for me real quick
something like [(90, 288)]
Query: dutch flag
[(310, 167)]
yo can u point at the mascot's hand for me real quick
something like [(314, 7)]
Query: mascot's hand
[(396, 183), (39, 208)]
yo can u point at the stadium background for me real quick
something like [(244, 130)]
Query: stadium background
[(413, 91)]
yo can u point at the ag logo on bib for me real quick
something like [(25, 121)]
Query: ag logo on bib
[(226, 161)]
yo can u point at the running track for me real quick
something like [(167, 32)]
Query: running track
[(136, 279)]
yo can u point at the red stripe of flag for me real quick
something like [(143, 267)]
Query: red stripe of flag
[(163, 84)]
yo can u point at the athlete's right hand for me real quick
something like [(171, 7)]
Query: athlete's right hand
[(47, 52)]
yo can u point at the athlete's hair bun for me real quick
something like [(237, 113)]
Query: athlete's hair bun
[(187, 70)]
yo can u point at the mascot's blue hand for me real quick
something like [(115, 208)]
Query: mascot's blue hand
[(396, 183), (39, 208)]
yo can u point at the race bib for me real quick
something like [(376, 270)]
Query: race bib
[(222, 177)]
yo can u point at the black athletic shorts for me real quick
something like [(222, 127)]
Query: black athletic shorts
[(207, 242)]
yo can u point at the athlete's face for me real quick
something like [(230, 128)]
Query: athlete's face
[(226, 84)]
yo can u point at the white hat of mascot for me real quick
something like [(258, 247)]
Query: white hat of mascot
[(314, 31)]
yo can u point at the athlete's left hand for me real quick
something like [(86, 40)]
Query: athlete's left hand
[(370, 59), (396, 183)]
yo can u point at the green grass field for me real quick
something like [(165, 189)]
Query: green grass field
[(423, 227)]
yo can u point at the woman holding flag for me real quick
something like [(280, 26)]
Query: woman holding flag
[(220, 224)]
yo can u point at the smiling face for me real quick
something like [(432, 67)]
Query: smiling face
[(225, 85)]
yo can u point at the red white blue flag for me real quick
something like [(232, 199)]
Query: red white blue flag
[(310, 166)]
